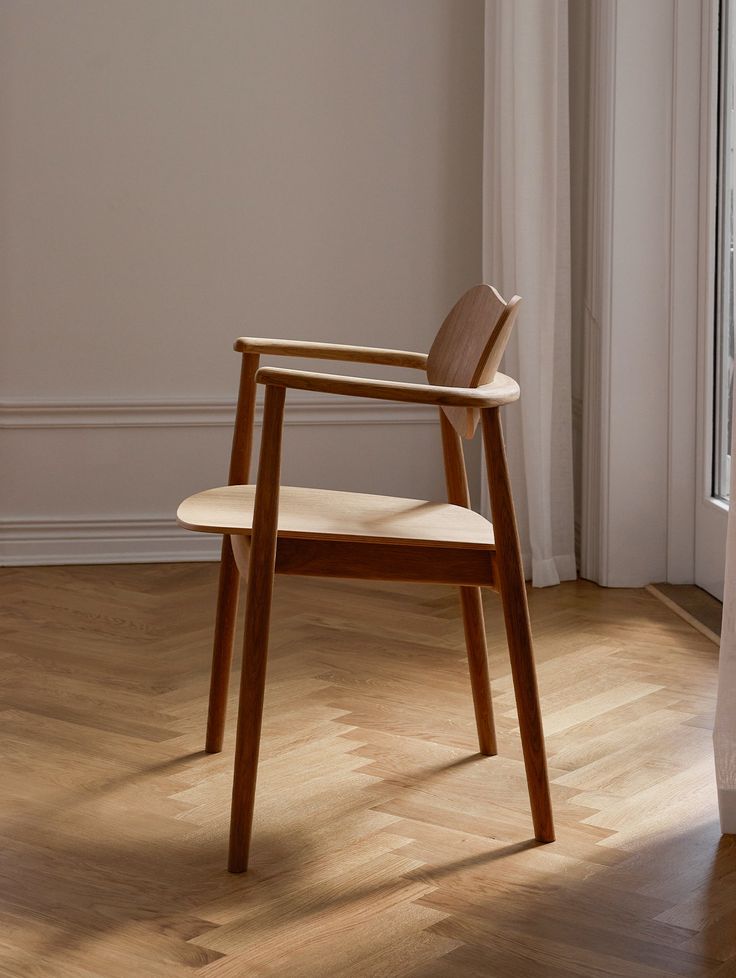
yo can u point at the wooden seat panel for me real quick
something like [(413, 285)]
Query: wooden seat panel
[(322, 514)]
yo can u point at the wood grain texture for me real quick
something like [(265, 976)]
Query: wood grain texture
[(226, 613), (341, 522), (399, 851), (316, 514), (502, 390), (512, 588), (696, 606), (331, 351), (229, 581), (241, 552), (257, 623), (469, 346), (453, 458), (456, 480), (242, 446), (385, 562)]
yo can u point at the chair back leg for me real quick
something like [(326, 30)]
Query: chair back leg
[(480, 677), (471, 602), (518, 627), (257, 621), (229, 583), (222, 649)]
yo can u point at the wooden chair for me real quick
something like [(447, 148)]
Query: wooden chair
[(338, 534)]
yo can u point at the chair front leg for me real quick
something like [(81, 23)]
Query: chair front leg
[(257, 622), (229, 584), (518, 626), (471, 601)]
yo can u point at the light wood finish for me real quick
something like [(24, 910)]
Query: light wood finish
[(468, 349), (331, 351), (241, 552), (229, 582), (382, 844), (456, 476), (257, 620), (502, 390), (360, 536), (324, 514), (458, 493), (518, 627)]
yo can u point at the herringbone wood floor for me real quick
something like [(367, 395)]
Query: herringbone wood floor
[(383, 844)]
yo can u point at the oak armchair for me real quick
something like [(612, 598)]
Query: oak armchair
[(269, 529)]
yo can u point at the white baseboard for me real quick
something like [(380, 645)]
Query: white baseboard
[(727, 810), (112, 541)]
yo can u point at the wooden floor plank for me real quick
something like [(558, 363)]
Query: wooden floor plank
[(384, 846)]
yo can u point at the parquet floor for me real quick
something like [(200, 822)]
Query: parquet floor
[(384, 846)]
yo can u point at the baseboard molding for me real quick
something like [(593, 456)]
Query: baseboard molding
[(676, 603), (727, 810), (112, 541), (26, 542), (205, 412)]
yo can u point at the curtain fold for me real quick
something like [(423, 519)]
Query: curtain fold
[(526, 249), (724, 730)]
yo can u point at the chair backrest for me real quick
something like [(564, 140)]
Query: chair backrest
[(468, 348)]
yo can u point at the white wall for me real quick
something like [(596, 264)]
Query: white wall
[(176, 173)]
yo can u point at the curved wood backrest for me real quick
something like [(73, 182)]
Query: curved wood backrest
[(467, 350)]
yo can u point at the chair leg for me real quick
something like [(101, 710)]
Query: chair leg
[(480, 682), (519, 636), (518, 626), (222, 652), (475, 631), (257, 623), (227, 594), (250, 713)]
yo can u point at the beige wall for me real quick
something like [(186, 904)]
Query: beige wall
[(174, 173)]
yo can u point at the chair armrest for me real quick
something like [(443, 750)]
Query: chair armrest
[(330, 351), (502, 390)]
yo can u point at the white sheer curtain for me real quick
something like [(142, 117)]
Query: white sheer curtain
[(526, 249), (724, 733)]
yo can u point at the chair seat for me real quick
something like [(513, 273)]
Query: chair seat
[(320, 514)]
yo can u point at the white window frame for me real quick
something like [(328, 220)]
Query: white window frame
[(711, 514)]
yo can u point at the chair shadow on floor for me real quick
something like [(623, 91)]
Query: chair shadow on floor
[(124, 875), (160, 884), (157, 899)]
